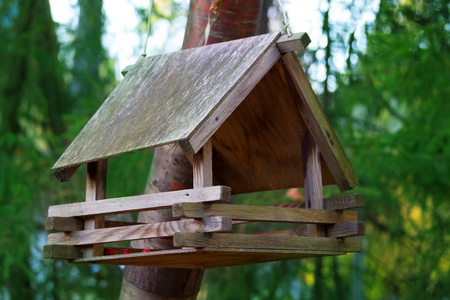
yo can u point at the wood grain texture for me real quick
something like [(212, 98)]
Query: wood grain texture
[(184, 87), (263, 214), (202, 166), (298, 41), (318, 124), (258, 147), (139, 232), (73, 224), (269, 242), (232, 101), (140, 203), (343, 202), (95, 190), (204, 258), (61, 252), (312, 175), (340, 230)]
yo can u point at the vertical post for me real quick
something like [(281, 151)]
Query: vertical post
[(95, 190), (202, 166), (312, 176)]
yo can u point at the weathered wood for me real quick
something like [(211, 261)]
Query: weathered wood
[(318, 124), (348, 229), (65, 174), (185, 87), (342, 202), (312, 175), (139, 232), (263, 214), (95, 190), (232, 101), (202, 167), (270, 242), (298, 41), (126, 70), (61, 252), (73, 224), (140, 203), (204, 258)]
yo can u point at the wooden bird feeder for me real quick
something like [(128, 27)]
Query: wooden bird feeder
[(245, 113)]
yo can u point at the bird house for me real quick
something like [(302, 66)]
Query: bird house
[(245, 112)]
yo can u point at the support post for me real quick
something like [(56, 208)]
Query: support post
[(202, 166), (312, 176), (95, 190)]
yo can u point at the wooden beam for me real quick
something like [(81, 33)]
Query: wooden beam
[(318, 124), (263, 214), (340, 230), (298, 41), (63, 175), (231, 101), (61, 252), (342, 202), (139, 232), (140, 203), (312, 177), (95, 190), (269, 242), (202, 166), (73, 224)]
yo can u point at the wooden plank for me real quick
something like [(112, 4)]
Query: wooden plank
[(139, 232), (140, 203), (95, 190), (298, 41), (65, 174), (250, 241), (232, 101), (262, 213), (312, 175), (61, 252), (343, 202), (73, 224), (318, 124), (348, 229), (185, 88), (202, 167), (204, 258)]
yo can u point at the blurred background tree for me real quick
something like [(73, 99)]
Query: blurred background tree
[(388, 102)]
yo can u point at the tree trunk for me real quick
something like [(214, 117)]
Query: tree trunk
[(170, 169)]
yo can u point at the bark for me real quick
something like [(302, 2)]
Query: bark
[(171, 169)]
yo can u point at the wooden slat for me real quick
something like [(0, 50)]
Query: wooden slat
[(185, 87), (298, 41), (72, 224), (140, 203), (342, 202), (348, 229), (139, 232), (263, 214), (204, 258), (95, 190), (318, 124), (232, 101), (61, 252), (249, 241)]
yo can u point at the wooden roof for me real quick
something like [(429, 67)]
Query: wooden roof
[(250, 96)]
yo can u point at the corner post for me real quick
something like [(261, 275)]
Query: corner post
[(312, 176), (95, 190), (202, 166)]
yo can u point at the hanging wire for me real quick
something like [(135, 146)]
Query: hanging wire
[(149, 27), (285, 22)]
